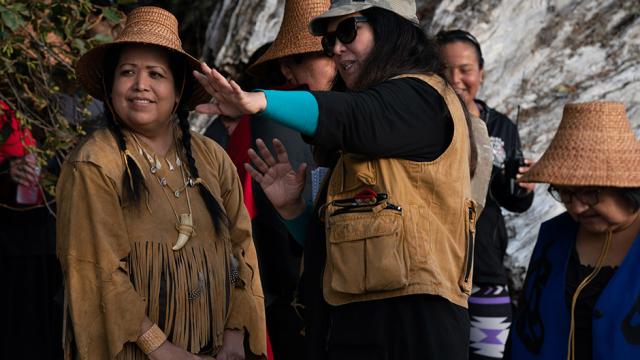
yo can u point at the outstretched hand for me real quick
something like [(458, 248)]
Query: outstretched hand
[(280, 182), (227, 96)]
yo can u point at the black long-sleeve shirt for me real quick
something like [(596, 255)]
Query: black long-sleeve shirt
[(403, 118)]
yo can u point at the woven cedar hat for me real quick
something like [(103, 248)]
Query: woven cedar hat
[(293, 37), (147, 25), (594, 146), (404, 8)]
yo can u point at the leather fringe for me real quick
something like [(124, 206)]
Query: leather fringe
[(195, 281)]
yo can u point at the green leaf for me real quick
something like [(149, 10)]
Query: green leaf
[(111, 15), (20, 8), (102, 38), (80, 45), (11, 19), (7, 49)]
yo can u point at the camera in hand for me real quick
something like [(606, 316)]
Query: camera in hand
[(511, 165)]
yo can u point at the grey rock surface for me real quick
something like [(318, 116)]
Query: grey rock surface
[(238, 28), (541, 55)]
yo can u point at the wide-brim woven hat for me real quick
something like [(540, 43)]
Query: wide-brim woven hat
[(293, 37), (146, 25), (594, 146), (404, 8)]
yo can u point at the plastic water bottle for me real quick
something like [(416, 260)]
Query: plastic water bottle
[(29, 195)]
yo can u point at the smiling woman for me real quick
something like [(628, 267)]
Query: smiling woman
[(349, 40), (490, 306), (144, 93), (153, 236)]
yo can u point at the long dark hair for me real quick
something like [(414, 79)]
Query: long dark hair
[(401, 47), (132, 179)]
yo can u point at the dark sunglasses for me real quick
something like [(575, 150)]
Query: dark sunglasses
[(346, 32)]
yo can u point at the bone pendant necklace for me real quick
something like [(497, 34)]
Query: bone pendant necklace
[(184, 224), (185, 221), (185, 231)]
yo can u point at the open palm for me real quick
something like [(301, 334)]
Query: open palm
[(227, 97), (280, 182)]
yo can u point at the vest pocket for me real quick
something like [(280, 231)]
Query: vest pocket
[(366, 251)]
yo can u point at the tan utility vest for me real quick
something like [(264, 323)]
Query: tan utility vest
[(415, 236)]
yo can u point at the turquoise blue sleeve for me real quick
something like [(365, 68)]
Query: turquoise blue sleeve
[(298, 226), (297, 110)]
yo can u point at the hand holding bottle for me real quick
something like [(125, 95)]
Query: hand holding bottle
[(26, 173)]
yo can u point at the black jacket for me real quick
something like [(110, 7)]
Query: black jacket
[(491, 235)]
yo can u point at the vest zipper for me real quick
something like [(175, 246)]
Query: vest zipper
[(469, 246), (364, 209)]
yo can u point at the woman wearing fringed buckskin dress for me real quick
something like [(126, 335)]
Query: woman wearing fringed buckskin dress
[(153, 237)]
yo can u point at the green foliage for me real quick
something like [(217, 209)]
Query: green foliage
[(40, 42)]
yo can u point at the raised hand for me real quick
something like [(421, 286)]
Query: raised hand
[(228, 98), (280, 182)]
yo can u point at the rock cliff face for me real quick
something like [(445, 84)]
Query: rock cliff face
[(238, 28), (540, 54)]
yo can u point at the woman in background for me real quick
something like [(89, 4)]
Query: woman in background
[(490, 303)]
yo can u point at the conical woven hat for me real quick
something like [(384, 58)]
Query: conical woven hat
[(146, 25), (293, 37), (594, 146)]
